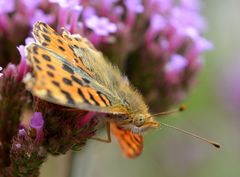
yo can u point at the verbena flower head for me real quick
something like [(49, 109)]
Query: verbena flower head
[(65, 129), (161, 37)]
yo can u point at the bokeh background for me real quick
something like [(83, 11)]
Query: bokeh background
[(211, 113)]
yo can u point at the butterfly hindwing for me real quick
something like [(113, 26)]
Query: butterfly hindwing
[(130, 143)]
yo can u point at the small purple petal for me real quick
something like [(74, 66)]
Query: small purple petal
[(37, 123), (30, 4), (74, 18), (22, 132), (21, 50), (183, 18), (106, 7), (88, 12), (10, 70), (29, 40), (157, 22), (176, 63), (22, 66), (159, 5), (204, 45), (65, 3), (191, 4), (62, 3), (18, 145), (101, 25), (63, 17), (118, 10), (39, 15), (7, 6), (134, 6), (174, 68)]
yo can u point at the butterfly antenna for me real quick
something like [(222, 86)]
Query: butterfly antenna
[(180, 109), (215, 144)]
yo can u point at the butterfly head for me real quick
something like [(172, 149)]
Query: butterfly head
[(139, 123)]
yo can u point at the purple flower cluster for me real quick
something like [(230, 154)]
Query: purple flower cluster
[(27, 153), (166, 33), (22, 13)]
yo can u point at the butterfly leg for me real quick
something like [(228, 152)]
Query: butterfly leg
[(108, 140)]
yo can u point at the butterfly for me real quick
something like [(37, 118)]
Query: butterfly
[(68, 70)]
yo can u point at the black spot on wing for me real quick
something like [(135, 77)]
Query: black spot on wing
[(68, 69), (86, 80), (77, 39), (76, 60), (49, 73), (35, 49), (45, 30), (68, 97), (47, 38), (38, 67), (103, 100), (50, 66), (93, 99), (50, 95), (66, 36), (56, 33), (60, 41), (82, 96), (46, 57), (61, 48), (56, 83), (78, 81), (44, 44), (67, 81), (36, 60), (70, 47), (75, 46)]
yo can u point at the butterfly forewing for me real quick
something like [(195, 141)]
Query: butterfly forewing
[(73, 82), (58, 82), (49, 38)]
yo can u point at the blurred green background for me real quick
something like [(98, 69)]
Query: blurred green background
[(168, 153)]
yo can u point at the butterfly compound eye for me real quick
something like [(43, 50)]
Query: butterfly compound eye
[(139, 121)]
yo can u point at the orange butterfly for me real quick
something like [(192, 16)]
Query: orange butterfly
[(68, 70)]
